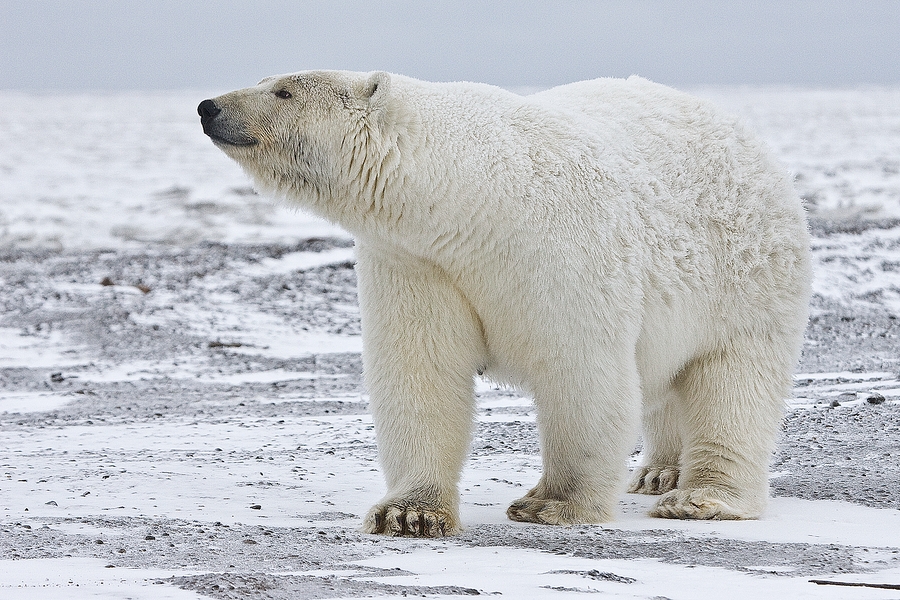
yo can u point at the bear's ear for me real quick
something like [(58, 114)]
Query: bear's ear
[(376, 90)]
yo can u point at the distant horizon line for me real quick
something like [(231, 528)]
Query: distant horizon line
[(516, 88)]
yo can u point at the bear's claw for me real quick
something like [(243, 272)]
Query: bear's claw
[(654, 479), (408, 519)]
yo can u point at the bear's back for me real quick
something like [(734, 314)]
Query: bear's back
[(700, 155), (634, 101)]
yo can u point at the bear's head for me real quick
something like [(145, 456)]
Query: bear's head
[(306, 137)]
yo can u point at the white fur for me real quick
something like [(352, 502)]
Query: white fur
[(595, 243)]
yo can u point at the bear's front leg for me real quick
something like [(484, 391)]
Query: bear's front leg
[(422, 344)]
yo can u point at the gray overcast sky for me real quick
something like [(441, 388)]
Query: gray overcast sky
[(222, 44)]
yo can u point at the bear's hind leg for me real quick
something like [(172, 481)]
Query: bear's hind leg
[(662, 445), (732, 404)]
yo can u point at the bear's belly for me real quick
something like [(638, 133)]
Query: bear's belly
[(528, 343)]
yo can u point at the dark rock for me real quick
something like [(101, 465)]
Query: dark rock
[(875, 398)]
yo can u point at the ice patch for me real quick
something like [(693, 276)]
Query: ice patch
[(294, 344), (517, 573), (842, 375), (146, 370), (846, 387), (505, 402), (301, 261), (786, 520), (505, 418), (32, 402), (269, 377), (356, 399), (42, 351), (84, 578)]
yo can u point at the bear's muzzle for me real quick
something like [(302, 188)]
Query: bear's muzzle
[(220, 130)]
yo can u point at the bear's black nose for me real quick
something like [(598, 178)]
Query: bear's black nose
[(208, 110)]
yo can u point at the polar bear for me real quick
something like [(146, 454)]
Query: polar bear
[(620, 250)]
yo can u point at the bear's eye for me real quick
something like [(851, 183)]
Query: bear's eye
[(283, 94)]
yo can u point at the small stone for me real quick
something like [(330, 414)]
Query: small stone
[(57, 377), (106, 281), (875, 398), (149, 537), (835, 404)]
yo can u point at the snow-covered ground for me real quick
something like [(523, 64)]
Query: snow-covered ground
[(122, 170), (196, 426)]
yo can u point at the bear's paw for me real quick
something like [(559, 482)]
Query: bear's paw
[(550, 511), (701, 503), (411, 518), (654, 479)]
